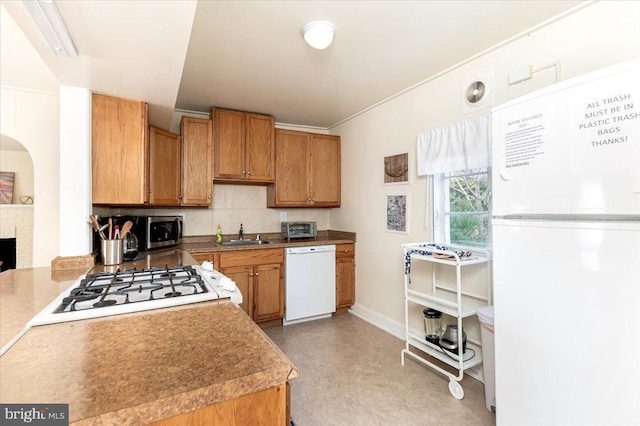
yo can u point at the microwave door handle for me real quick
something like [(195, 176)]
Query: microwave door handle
[(179, 229)]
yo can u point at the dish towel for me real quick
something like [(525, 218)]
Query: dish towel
[(426, 252), (407, 257)]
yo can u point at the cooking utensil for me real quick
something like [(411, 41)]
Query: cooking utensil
[(126, 228), (96, 226), (110, 228), (116, 232)]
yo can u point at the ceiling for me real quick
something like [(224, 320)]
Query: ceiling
[(249, 55)]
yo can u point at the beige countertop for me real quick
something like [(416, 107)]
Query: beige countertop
[(203, 244), (132, 368)]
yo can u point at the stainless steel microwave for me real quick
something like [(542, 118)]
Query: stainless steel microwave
[(158, 231)]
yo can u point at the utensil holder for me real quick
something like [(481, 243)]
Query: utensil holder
[(111, 252)]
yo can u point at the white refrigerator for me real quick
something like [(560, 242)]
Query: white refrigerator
[(566, 252)]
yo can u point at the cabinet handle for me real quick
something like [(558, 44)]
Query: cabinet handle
[(209, 196), (244, 172), (180, 197), (248, 172), (250, 274), (346, 250), (257, 273)]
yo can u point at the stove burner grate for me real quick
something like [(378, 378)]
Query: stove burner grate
[(133, 286)]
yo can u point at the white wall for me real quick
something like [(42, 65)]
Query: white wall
[(75, 164), (602, 34), (32, 118)]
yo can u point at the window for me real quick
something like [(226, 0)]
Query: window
[(461, 207)]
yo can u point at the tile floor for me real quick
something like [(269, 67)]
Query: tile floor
[(350, 374)]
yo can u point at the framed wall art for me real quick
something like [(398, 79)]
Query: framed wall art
[(396, 169), (6, 187), (396, 213)]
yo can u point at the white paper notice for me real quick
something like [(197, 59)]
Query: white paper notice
[(605, 123), (526, 134)]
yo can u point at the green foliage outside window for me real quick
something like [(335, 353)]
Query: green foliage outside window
[(468, 208)]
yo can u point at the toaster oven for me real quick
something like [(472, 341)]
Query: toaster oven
[(299, 230)]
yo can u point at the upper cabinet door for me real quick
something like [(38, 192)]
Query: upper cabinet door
[(228, 142), (260, 147), (164, 167), (197, 182), (324, 185), (292, 170), (119, 149)]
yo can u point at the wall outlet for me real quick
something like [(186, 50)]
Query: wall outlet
[(283, 216)]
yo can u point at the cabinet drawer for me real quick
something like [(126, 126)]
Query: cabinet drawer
[(206, 256), (251, 257), (345, 251)]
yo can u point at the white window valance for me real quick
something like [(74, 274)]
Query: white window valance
[(459, 146)]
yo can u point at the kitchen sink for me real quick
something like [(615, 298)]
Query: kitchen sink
[(244, 242)]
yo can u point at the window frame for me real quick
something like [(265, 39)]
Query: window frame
[(441, 217)]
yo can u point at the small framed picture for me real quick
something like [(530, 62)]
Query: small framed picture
[(396, 213), (396, 169), (6, 187)]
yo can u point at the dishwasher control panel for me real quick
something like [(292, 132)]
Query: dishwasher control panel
[(299, 230)]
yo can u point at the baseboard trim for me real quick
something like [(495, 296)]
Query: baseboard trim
[(384, 323), (397, 329)]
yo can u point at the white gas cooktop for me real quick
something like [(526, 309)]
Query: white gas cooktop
[(106, 294)]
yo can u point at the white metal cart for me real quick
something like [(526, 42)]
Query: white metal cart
[(455, 302)]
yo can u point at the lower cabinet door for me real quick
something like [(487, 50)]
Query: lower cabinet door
[(243, 277), (345, 282), (268, 292)]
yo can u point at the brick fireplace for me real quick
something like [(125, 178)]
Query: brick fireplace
[(16, 221)]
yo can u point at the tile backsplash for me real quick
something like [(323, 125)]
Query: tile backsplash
[(232, 205)]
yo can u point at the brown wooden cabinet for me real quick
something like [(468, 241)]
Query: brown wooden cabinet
[(258, 274), (164, 167), (197, 184), (345, 276), (267, 407), (210, 256), (119, 151), (307, 170), (134, 164), (243, 146)]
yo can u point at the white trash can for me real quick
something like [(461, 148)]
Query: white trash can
[(485, 315)]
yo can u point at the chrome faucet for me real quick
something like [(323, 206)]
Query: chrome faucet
[(241, 232)]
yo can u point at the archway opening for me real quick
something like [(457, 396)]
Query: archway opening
[(16, 204)]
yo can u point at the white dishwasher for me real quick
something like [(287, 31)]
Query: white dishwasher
[(309, 283)]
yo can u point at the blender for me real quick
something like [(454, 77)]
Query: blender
[(433, 325)]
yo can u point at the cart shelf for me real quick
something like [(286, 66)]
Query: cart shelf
[(445, 302), (451, 301), (471, 358)]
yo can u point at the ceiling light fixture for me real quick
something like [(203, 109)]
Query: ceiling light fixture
[(48, 18), (318, 34)]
